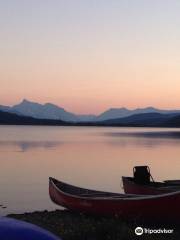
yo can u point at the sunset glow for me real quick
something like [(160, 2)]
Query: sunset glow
[(87, 56)]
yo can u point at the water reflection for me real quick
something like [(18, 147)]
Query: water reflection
[(24, 146), (149, 134), (149, 139)]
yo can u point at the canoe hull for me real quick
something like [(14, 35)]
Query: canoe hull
[(131, 187), (165, 206)]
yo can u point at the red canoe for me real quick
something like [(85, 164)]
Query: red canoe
[(153, 188), (163, 206), (142, 183)]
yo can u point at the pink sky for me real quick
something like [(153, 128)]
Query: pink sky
[(89, 56)]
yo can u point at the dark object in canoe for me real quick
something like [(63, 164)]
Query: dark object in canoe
[(143, 183), (109, 204)]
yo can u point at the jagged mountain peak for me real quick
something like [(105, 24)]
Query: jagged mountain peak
[(25, 101), (44, 111), (120, 108), (51, 105), (150, 108)]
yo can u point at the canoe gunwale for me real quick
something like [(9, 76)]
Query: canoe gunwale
[(122, 197)]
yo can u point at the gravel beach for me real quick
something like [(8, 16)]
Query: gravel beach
[(74, 226)]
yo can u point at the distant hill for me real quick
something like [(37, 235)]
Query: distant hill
[(115, 113), (5, 108), (147, 119), (7, 118), (86, 118), (173, 122)]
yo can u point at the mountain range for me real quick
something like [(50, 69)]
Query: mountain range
[(137, 120), (45, 111), (50, 111)]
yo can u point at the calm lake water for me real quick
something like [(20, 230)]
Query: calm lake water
[(90, 157)]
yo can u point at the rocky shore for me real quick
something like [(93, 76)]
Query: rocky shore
[(74, 226)]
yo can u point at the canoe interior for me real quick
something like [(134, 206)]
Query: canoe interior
[(131, 187), (83, 192), (152, 184), (172, 182), (165, 184)]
